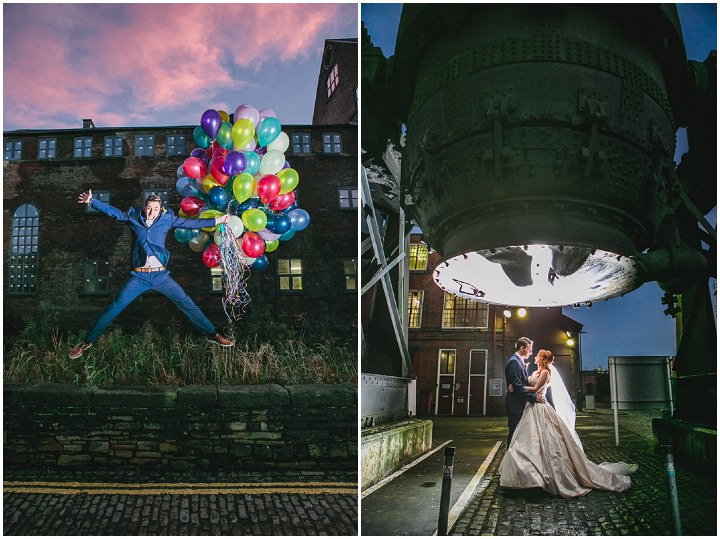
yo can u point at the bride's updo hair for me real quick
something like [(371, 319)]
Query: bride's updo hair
[(546, 357)]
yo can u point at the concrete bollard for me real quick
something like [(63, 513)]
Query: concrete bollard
[(445, 494), (672, 488)]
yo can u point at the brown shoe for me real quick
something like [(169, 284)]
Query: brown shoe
[(79, 349), (220, 340)]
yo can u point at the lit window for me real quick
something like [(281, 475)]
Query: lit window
[(47, 148), (300, 143), (144, 145), (447, 361), (82, 147), (350, 274), (97, 276), (113, 146), (464, 313), (290, 274), (418, 256), (415, 305), (348, 197), (332, 143), (216, 275), (176, 145), (100, 195), (13, 150), (164, 195), (23, 250), (332, 81)]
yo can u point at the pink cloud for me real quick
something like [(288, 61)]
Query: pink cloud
[(119, 63)]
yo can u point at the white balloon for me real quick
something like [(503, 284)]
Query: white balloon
[(281, 143)]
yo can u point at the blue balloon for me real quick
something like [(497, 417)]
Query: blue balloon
[(260, 263), (299, 219), (184, 235), (288, 235), (187, 187), (218, 198), (247, 205), (268, 130), (278, 223), (252, 165)]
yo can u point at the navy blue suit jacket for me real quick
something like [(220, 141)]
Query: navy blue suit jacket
[(516, 375), (149, 241)]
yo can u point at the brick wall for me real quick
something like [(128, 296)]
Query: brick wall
[(194, 427), (68, 236)]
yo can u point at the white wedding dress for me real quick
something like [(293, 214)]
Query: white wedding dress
[(545, 453)]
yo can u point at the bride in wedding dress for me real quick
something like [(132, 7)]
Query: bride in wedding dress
[(545, 451)]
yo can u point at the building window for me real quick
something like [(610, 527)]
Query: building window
[(348, 197), (300, 143), (23, 250), (350, 274), (332, 143), (415, 305), (144, 145), (332, 81), (113, 146), (447, 361), (216, 274), (97, 276), (290, 274), (47, 148), (13, 150), (418, 256), (164, 195), (82, 147), (100, 195), (464, 313), (175, 145)]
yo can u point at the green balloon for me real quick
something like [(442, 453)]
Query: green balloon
[(254, 219), (243, 186), (224, 136), (201, 137)]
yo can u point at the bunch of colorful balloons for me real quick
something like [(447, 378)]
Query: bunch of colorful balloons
[(240, 168)]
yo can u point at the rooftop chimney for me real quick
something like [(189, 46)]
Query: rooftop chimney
[(88, 124)]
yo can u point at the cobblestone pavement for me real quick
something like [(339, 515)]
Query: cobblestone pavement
[(140, 503), (642, 510)]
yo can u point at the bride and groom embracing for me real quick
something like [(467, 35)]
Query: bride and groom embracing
[(544, 451)]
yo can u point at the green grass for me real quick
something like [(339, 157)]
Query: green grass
[(151, 357)]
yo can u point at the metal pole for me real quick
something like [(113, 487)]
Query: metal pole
[(445, 495), (672, 488)]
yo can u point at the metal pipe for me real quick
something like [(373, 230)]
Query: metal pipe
[(672, 488), (445, 494)]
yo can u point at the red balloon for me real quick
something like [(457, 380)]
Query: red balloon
[(191, 205), (211, 256), (252, 244), (217, 171), (194, 168), (268, 188), (282, 202)]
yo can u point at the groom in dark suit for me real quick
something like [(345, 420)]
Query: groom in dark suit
[(516, 376)]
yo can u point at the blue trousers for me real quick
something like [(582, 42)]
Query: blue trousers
[(139, 283)]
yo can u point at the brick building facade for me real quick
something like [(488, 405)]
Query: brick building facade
[(459, 347), (65, 262)]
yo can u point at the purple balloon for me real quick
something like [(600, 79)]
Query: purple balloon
[(267, 235), (211, 122), (199, 153), (235, 163)]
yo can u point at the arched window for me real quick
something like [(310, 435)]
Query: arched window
[(23, 250)]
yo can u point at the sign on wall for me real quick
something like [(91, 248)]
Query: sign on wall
[(496, 387)]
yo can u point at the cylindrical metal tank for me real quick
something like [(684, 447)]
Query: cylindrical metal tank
[(538, 142)]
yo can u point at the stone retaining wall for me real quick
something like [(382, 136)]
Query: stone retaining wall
[(181, 428)]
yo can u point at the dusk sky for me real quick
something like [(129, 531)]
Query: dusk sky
[(163, 64), (633, 324)]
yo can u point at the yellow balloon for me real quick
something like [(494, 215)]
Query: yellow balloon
[(243, 132), (210, 214), (224, 116), (243, 186), (289, 179), (208, 183), (271, 246)]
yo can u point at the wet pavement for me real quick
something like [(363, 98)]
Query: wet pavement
[(146, 503), (409, 504)]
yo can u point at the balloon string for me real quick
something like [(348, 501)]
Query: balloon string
[(236, 273)]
